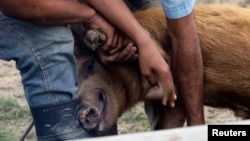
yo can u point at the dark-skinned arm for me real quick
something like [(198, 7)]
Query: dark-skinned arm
[(48, 11), (63, 12), (151, 62), (188, 66)]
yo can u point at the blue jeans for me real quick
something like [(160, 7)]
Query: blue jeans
[(44, 56)]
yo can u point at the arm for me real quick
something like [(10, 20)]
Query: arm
[(187, 61), (150, 60), (62, 12), (48, 11)]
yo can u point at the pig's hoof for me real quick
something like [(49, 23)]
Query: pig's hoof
[(89, 117), (94, 39)]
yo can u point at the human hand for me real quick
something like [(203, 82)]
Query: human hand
[(153, 65), (125, 50), (127, 54), (113, 40)]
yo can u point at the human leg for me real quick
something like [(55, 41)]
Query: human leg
[(44, 57)]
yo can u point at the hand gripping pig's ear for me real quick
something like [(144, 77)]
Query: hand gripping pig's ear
[(94, 39)]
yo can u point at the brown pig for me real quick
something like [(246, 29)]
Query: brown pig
[(106, 91)]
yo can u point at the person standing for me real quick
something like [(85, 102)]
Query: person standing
[(186, 56), (36, 35)]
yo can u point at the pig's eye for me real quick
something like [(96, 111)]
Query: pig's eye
[(89, 66)]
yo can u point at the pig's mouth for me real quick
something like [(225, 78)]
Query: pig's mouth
[(91, 115)]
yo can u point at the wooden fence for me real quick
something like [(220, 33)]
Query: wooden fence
[(194, 133)]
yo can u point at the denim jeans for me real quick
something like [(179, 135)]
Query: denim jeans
[(44, 56)]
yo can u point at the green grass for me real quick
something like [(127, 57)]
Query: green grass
[(133, 120), (7, 136), (12, 119), (10, 110)]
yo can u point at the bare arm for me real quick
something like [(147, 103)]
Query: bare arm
[(151, 62), (120, 16), (61, 12), (188, 66), (48, 11)]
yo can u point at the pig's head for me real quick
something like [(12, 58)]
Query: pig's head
[(100, 94), (105, 91)]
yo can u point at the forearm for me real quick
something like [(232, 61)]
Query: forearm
[(187, 58), (48, 11), (187, 61), (117, 13)]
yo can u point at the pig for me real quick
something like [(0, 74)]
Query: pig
[(106, 91)]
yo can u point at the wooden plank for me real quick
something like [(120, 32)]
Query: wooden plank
[(194, 133)]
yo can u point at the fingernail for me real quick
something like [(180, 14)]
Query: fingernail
[(155, 87), (172, 105), (175, 97), (164, 103), (133, 49)]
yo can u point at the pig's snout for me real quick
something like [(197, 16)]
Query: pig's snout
[(89, 117), (90, 114)]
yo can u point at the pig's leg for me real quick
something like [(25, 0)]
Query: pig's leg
[(91, 38), (94, 39), (172, 117), (154, 93), (164, 117), (112, 131)]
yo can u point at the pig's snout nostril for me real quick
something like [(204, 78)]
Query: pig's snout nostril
[(101, 100), (101, 96), (89, 117)]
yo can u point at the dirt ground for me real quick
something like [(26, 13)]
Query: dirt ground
[(11, 88)]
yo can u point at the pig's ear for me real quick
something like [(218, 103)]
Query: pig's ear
[(78, 31)]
